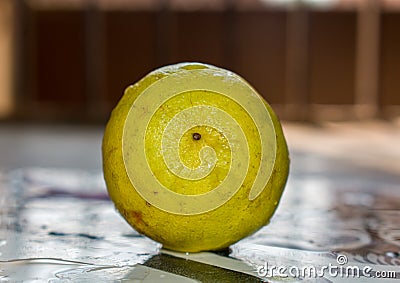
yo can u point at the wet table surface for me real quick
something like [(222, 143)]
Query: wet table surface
[(338, 220)]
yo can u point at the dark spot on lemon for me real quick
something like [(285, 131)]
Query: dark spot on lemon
[(196, 136)]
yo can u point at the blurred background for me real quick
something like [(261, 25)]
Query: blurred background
[(70, 60), (329, 68)]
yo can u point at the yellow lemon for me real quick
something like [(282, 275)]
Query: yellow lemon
[(194, 158)]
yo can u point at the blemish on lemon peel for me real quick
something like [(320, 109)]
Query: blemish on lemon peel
[(196, 136), (137, 217), (173, 179)]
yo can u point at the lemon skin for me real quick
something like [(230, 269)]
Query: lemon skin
[(212, 230)]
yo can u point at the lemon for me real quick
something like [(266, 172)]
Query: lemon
[(194, 158)]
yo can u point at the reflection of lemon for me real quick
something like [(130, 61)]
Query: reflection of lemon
[(194, 158)]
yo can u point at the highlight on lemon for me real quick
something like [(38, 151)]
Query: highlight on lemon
[(194, 157)]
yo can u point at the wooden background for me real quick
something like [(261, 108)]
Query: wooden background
[(73, 63)]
